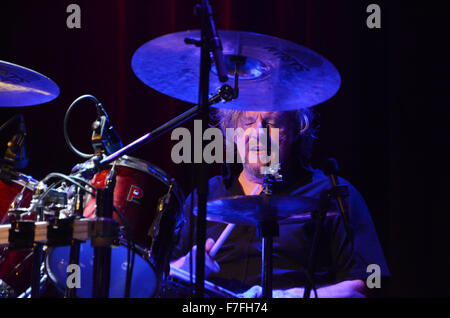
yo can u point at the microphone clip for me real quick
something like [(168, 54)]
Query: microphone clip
[(15, 153), (104, 138)]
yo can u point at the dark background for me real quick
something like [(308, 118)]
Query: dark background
[(387, 126)]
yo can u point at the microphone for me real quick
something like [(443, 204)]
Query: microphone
[(15, 155), (216, 44), (104, 139)]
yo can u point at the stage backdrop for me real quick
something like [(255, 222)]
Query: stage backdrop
[(383, 126)]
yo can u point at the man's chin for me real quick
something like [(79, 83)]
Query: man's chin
[(255, 170)]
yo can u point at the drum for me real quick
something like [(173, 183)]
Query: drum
[(148, 204), (10, 190), (139, 186), (15, 265), (143, 277)]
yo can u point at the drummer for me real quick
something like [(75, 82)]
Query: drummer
[(340, 271)]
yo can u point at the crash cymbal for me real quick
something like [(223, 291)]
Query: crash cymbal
[(276, 74), (253, 209), (20, 86)]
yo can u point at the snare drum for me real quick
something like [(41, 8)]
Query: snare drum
[(15, 265), (139, 186)]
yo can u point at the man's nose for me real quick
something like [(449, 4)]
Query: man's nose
[(260, 129), (260, 123)]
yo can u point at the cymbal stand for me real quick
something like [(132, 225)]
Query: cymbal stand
[(267, 229), (74, 256), (209, 43), (318, 217), (337, 192), (106, 231)]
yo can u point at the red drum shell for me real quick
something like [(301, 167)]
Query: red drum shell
[(15, 265), (139, 185), (8, 192)]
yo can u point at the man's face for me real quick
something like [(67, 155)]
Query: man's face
[(253, 146)]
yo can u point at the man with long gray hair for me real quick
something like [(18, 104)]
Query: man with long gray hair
[(342, 263)]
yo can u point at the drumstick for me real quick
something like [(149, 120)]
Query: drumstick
[(227, 231), (221, 239)]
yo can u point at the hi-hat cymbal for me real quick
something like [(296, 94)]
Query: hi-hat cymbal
[(276, 74), (254, 209), (20, 86)]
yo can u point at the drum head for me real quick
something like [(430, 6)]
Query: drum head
[(143, 282)]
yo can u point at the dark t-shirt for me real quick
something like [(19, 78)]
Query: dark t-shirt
[(240, 256)]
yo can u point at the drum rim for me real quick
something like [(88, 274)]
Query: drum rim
[(26, 181), (143, 166), (141, 251)]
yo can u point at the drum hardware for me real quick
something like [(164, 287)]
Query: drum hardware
[(336, 192), (258, 60), (133, 190), (105, 140), (130, 268), (21, 233), (15, 211), (15, 264), (22, 236), (96, 165), (25, 234), (163, 204), (265, 211), (36, 270), (266, 230), (107, 232), (15, 153), (180, 276), (42, 284), (209, 43), (103, 252), (226, 93), (37, 206), (60, 231), (6, 291), (162, 65), (74, 256)]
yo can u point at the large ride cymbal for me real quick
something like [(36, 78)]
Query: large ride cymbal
[(277, 74), (254, 209), (20, 86)]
